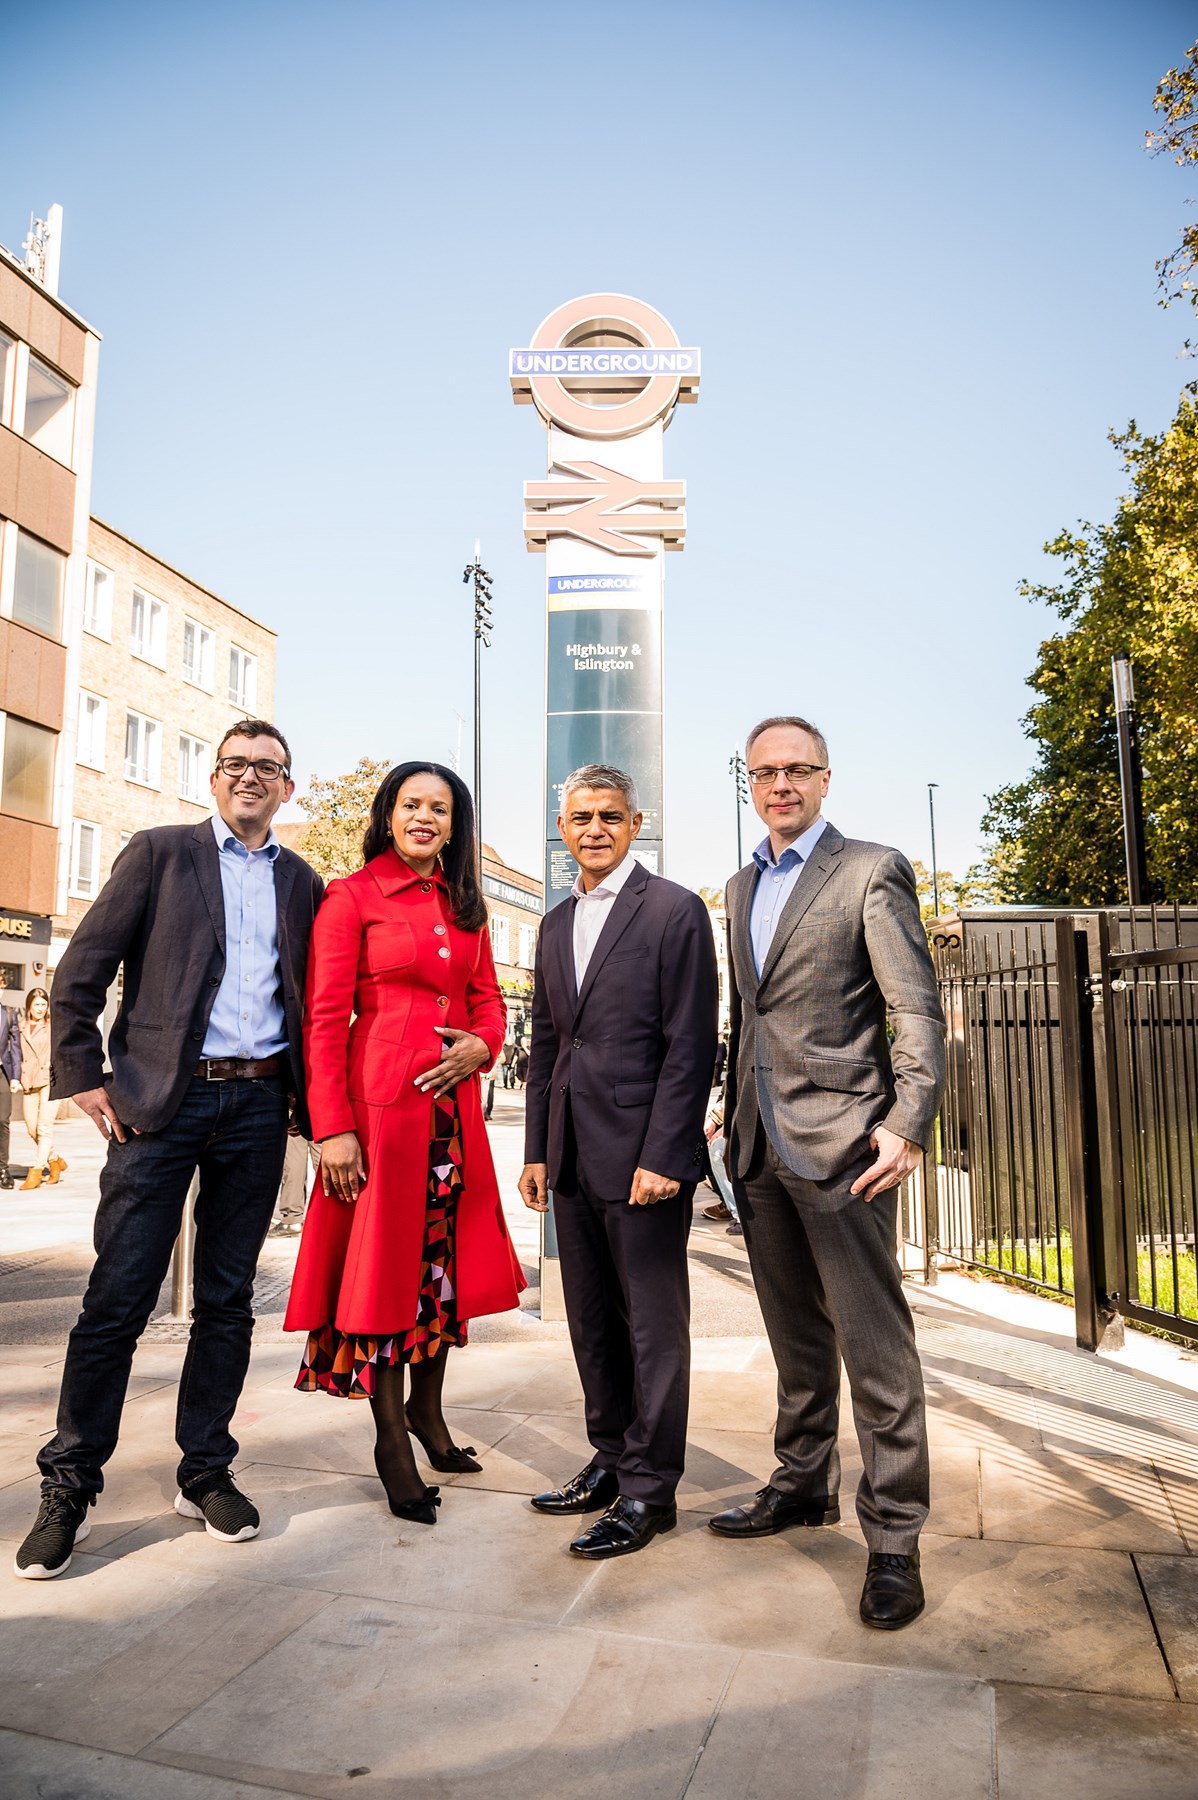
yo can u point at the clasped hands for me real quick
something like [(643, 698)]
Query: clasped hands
[(342, 1167), (647, 1188)]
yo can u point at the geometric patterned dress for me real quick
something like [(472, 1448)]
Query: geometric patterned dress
[(337, 1363)]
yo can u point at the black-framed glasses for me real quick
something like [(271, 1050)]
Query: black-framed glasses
[(264, 767), (794, 773)]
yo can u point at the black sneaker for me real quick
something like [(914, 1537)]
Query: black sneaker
[(227, 1515), (61, 1523)]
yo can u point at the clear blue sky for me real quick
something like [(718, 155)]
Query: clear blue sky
[(915, 243)]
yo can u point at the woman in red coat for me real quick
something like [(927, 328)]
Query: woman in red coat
[(404, 1239)]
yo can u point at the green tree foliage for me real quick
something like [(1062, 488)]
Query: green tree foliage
[(338, 809), (1177, 103), (1128, 586)]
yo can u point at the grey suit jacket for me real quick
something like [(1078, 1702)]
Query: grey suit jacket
[(808, 1054)]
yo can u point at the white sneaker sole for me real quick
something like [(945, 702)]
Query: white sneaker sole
[(39, 1571), (187, 1509)]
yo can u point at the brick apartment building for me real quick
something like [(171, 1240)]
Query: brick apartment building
[(49, 358), (515, 904), (165, 667)]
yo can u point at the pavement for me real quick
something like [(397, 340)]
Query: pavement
[(344, 1653)]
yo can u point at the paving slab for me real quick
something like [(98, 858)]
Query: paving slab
[(425, 1704), (488, 1552), (42, 1768), (112, 1653), (965, 1410), (1171, 1583), (1055, 1745), (1054, 1497), (845, 1732), (1002, 1612)]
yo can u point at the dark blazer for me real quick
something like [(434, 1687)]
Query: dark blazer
[(162, 914), (10, 1042), (634, 1050), (809, 1055)]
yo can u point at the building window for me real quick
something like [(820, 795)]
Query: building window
[(193, 769), (49, 411), (37, 585), (528, 946), (243, 679), (97, 601), (147, 628), (143, 750), (199, 654), (8, 363), (93, 730), (499, 939), (84, 881), (27, 782)]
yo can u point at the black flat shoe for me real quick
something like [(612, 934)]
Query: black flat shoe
[(627, 1526), (446, 1462), (773, 1511), (893, 1591), (590, 1491)]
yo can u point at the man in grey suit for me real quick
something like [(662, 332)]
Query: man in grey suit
[(824, 1119)]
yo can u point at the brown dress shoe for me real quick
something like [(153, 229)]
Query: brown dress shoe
[(718, 1212)]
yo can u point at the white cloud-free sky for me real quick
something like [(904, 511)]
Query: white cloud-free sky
[(915, 243)]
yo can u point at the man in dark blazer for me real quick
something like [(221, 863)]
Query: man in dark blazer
[(211, 924), (10, 1075), (825, 1116), (623, 1042)]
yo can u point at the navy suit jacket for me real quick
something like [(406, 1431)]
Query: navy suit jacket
[(162, 914), (633, 1051)]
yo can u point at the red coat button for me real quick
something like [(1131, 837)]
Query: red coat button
[(443, 1000), (426, 887)]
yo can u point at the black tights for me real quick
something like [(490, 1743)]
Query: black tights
[(393, 1449)]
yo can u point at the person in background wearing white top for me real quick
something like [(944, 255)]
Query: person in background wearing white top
[(623, 1045), (40, 1111)]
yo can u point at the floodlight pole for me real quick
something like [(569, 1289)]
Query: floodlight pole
[(935, 878), (1130, 773), (482, 635), (740, 779)]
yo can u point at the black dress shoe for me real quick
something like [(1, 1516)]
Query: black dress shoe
[(773, 1511), (627, 1526), (591, 1490), (893, 1592)]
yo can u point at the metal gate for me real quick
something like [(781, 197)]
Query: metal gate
[(1066, 1155)]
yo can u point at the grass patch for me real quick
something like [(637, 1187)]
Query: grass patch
[(1050, 1266)]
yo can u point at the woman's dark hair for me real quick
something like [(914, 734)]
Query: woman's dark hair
[(33, 994), (458, 859)]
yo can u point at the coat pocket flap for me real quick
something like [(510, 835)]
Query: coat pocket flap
[(847, 1075), (633, 1093)]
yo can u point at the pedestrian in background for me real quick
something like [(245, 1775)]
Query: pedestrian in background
[(10, 1075), (299, 1160), (40, 1111), (211, 923)]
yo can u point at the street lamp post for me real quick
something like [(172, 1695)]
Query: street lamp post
[(740, 778), (482, 635), (1130, 781), (935, 877)]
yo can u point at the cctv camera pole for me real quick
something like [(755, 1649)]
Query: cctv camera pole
[(1130, 781), (740, 780), (482, 635)]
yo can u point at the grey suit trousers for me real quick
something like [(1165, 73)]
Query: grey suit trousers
[(828, 1282)]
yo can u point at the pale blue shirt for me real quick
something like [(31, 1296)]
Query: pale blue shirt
[(247, 1015), (775, 885)]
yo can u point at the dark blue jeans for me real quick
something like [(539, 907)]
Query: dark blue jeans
[(234, 1133)]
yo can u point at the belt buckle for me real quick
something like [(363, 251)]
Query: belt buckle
[(208, 1075)]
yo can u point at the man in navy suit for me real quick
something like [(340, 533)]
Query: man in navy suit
[(623, 1045)]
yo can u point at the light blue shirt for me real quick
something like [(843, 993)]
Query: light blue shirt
[(247, 1015), (775, 885)]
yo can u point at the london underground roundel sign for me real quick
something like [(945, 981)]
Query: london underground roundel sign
[(605, 366)]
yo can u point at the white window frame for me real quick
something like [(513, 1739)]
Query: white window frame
[(67, 461), (245, 693), (8, 385), (500, 939), (52, 818), (527, 935), (205, 639), (93, 759), (156, 614), (94, 624), (197, 751), (149, 738), (77, 889), (10, 536)]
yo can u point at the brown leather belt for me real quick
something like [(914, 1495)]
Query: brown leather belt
[(240, 1068)]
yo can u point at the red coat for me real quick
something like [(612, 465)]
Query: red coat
[(385, 948)]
